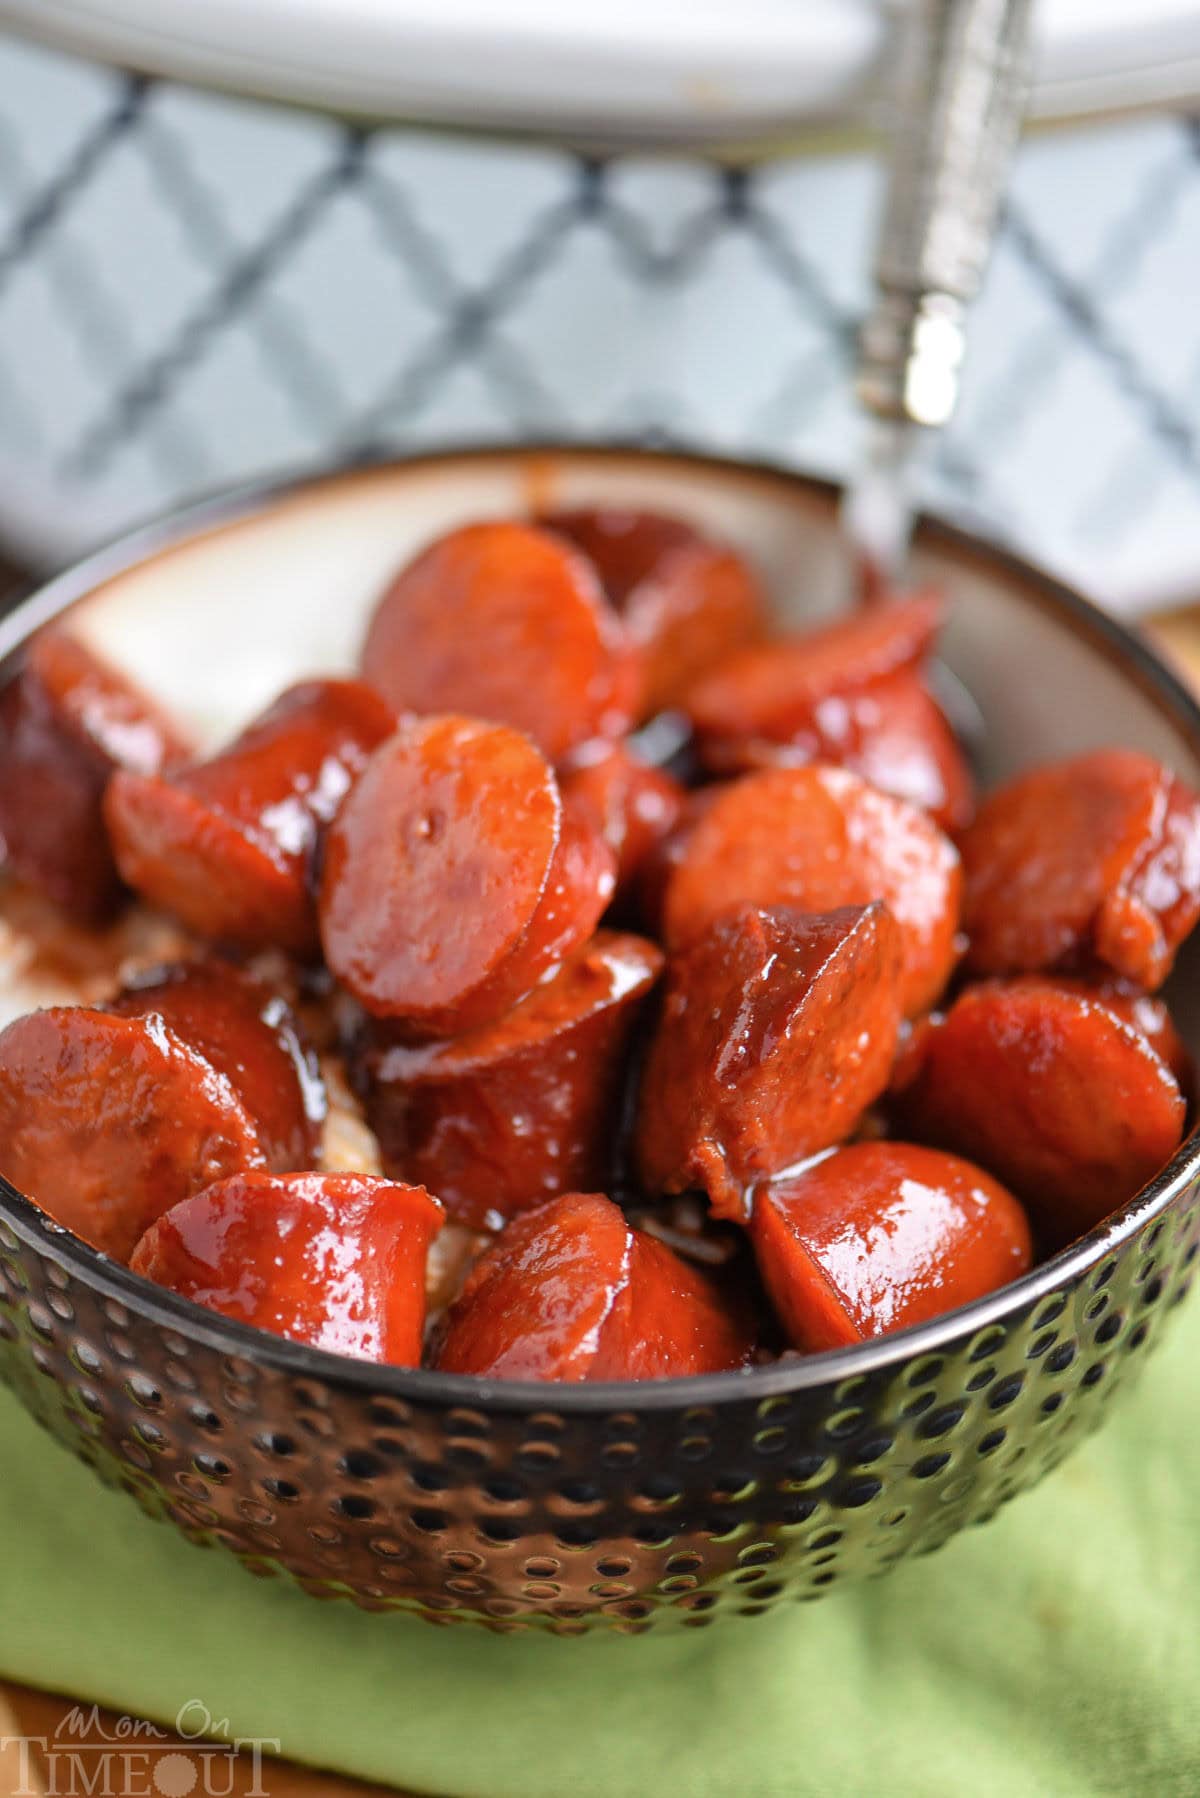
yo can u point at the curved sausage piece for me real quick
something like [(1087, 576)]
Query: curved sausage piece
[(504, 1117), (1144, 1012), (1054, 1093), (453, 877), (881, 1235), (633, 807), (507, 623), (778, 1030), (686, 600), (1091, 861), (892, 733), (673, 1319), (101, 707), (534, 1304), (624, 547), (227, 845), (772, 691), (912, 1046), (1141, 926), (336, 1261), (817, 838), (107, 1122), (67, 722), (250, 1035), (570, 1292), (667, 854), (899, 739)]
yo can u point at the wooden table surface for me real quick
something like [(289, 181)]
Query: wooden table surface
[(37, 1717), (61, 1748)]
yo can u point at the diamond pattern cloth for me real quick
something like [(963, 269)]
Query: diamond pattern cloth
[(196, 290)]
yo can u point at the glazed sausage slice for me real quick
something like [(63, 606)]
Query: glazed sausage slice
[(892, 733), (1054, 1093), (778, 1030), (880, 1235), (1144, 1012), (101, 707), (911, 1048), (534, 1304), (772, 691), (66, 723), (686, 601), (818, 838), (624, 547), (673, 1319), (336, 1261), (504, 1117), (634, 807), (1139, 929), (250, 1035), (570, 1292), (507, 623), (898, 738), (666, 855), (1089, 862), (453, 877), (107, 1121), (701, 602), (227, 845)]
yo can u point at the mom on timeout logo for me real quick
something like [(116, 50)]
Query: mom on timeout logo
[(94, 1756)]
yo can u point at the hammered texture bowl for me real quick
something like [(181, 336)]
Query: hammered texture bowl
[(568, 1508)]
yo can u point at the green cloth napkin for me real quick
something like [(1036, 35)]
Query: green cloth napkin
[(1056, 1651)]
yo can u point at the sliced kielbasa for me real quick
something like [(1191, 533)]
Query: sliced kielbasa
[(624, 547), (454, 878), (771, 691), (507, 623), (1089, 862), (911, 1048), (504, 1117), (534, 1304), (227, 845), (633, 806), (880, 1235), (571, 1292), (778, 1030), (1143, 1012), (1139, 930), (108, 1121), (666, 855), (336, 1261), (1054, 1093), (899, 739), (250, 1035), (67, 722), (817, 838), (674, 1319), (686, 600), (892, 733), (1147, 1013)]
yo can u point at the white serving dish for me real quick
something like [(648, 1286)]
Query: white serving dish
[(682, 70)]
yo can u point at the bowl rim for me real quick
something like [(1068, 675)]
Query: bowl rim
[(804, 1374)]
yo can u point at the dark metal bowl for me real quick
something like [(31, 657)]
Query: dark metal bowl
[(570, 1507)]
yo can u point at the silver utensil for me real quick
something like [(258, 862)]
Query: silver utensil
[(961, 78)]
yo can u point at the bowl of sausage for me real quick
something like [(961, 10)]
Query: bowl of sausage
[(542, 1081)]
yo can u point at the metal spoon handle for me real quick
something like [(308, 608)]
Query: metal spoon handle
[(961, 77)]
